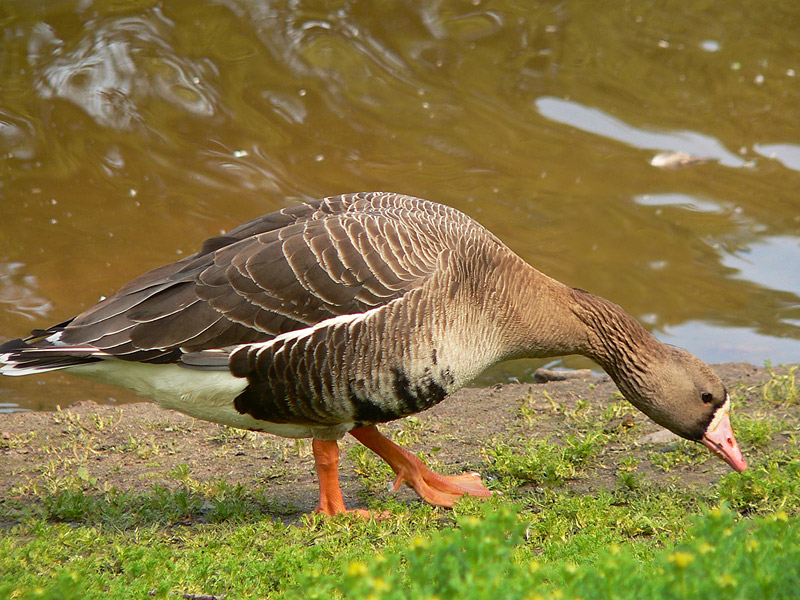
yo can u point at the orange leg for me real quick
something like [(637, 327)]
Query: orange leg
[(439, 490), (326, 461)]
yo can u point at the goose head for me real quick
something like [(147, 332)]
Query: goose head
[(682, 393)]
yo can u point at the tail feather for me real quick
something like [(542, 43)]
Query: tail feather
[(17, 358)]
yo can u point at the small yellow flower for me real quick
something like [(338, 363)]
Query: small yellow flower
[(357, 569), (781, 516), (715, 513), (752, 545), (681, 559), (726, 580), (379, 585), (534, 566), (705, 548), (419, 542)]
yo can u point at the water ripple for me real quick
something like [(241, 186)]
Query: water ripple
[(19, 293), (593, 120), (110, 72)]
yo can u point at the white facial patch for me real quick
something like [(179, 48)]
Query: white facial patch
[(721, 413)]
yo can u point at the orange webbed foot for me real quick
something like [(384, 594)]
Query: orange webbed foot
[(439, 490)]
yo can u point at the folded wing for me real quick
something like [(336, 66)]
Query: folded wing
[(285, 271)]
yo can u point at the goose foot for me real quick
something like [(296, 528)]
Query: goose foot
[(439, 490)]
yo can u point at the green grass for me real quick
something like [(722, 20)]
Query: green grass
[(575, 547), (636, 536), (782, 388), (488, 558), (540, 461), (213, 539)]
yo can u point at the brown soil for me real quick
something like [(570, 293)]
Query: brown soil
[(135, 446)]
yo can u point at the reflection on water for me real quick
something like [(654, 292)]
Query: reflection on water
[(787, 154), (597, 122), (129, 132), (732, 344), (681, 200), (773, 262)]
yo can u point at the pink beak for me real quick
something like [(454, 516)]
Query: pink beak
[(721, 442)]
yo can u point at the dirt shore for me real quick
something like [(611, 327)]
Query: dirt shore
[(136, 446)]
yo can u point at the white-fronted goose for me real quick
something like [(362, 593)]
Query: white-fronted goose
[(331, 316)]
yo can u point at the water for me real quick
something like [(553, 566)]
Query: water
[(130, 132)]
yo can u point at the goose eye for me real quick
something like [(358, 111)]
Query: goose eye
[(707, 397)]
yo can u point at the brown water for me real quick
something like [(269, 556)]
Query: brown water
[(131, 131)]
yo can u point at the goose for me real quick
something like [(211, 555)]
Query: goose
[(335, 315)]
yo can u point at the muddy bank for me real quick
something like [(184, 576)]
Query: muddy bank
[(136, 446)]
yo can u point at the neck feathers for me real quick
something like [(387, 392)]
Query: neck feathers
[(524, 313), (616, 341)]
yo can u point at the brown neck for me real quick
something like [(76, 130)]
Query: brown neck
[(617, 342), (554, 320), (540, 314)]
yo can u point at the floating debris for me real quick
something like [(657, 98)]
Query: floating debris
[(676, 160)]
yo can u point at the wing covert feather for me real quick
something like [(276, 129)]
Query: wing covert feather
[(283, 271)]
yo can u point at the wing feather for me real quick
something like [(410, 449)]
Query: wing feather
[(287, 270)]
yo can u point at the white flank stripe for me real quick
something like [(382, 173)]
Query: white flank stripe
[(308, 331)]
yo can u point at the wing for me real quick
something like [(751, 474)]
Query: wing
[(284, 271)]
